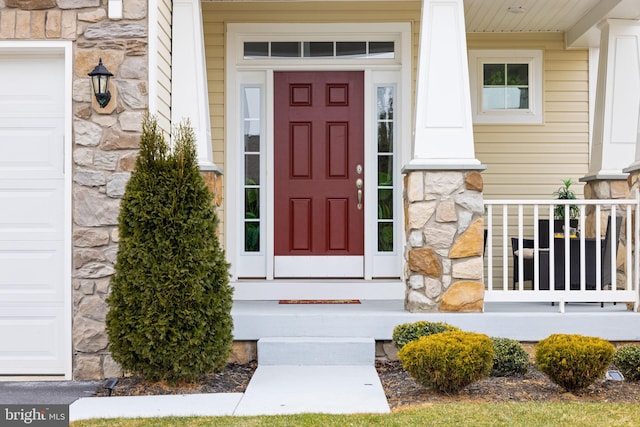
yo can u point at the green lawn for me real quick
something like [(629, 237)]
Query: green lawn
[(450, 414)]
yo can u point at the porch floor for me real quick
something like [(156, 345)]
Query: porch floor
[(377, 318)]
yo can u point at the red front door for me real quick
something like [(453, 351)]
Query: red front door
[(319, 171)]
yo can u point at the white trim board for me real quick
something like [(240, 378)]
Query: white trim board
[(264, 290), (331, 266)]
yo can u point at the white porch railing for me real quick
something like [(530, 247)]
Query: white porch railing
[(544, 273)]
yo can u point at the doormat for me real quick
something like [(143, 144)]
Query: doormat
[(319, 301)]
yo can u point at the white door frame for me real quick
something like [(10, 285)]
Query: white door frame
[(259, 74), (65, 49)]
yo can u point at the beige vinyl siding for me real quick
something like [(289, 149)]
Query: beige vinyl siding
[(164, 65), (530, 161), (216, 15)]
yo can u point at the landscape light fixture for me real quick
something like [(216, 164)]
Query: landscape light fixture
[(110, 384), (100, 81)]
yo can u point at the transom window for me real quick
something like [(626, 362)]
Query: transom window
[(319, 49), (506, 86)]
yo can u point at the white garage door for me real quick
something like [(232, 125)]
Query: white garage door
[(32, 225)]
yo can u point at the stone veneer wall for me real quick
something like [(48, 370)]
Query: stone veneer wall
[(608, 189), (444, 211), (105, 146)]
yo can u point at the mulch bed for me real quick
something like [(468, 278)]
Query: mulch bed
[(402, 390), (233, 379)]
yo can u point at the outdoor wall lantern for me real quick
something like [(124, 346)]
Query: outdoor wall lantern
[(100, 80)]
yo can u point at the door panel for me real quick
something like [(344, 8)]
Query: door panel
[(32, 194), (319, 141), (338, 150), (338, 220), (301, 225), (301, 150)]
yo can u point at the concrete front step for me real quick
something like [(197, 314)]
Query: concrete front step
[(316, 351), (277, 390)]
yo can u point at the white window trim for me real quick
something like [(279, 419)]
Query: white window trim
[(533, 115), (395, 71)]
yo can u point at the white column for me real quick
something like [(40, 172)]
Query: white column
[(189, 93), (615, 126), (443, 125), (636, 164)]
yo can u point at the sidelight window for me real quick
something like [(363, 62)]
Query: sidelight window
[(385, 96), (253, 141)]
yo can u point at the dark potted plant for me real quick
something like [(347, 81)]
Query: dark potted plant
[(565, 193)]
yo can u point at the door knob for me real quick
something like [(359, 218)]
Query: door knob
[(359, 187)]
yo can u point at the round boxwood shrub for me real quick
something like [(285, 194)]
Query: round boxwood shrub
[(448, 361), (170, 303), (627, 360), (407, 332), (573, 361), (509, 358)]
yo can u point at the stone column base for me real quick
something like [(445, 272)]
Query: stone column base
[(213, 181), (608, 189), (444, 215)]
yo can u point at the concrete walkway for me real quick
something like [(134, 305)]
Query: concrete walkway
[(333, 375), (46, 392), (273, 390)]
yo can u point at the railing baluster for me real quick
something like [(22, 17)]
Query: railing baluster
[(614, 249), (567, 250), (552, 258), (536, 250), (628, 268), (598, 250), (490, 247), (520, 251), (583, 274), (505, 261)]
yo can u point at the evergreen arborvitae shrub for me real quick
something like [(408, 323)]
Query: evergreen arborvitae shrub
[(448, 361), (509, 358), (573, 361), (407, 332), (170, 303), (627, 360)]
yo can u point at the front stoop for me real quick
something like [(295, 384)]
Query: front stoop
[(316, 351)]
